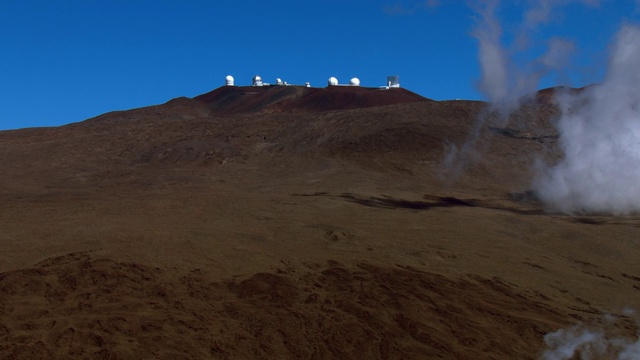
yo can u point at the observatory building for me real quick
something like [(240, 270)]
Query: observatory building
[(334, 82), (393, 81), (257, 81)]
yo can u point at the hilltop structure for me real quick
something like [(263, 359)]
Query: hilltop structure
[(283, 97), (392, 82)]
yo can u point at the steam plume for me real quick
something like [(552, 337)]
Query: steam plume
[(599, 128), (504, 81), (579, 342), (600, 137)]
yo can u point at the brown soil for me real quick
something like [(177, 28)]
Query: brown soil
[(292, 228)]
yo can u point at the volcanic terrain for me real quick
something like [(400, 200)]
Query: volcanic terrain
[(287, 222)]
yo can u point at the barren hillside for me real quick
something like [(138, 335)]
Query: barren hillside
[(298, 223)]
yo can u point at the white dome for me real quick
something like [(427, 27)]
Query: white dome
[(333, 81), (278, 81), (257, 80), (354, 82), (229, 80)]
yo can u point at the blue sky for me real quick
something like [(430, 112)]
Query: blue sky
[(66, 61)]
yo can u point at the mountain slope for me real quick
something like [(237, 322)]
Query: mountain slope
[(289, 224)]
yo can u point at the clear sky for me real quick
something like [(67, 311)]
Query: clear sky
[(68, 60)]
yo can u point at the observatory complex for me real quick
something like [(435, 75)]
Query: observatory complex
[(392, 82), (260, 96)]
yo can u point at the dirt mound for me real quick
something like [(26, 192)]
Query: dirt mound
[(76, 306), (248, 99)]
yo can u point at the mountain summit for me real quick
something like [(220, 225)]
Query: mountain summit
[(247, 99)]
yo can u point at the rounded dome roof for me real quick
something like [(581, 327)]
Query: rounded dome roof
[(355, 82)]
